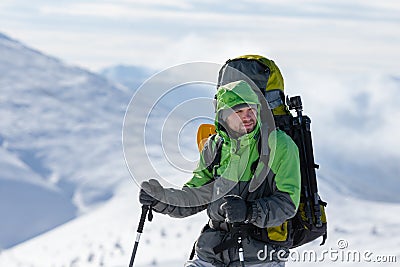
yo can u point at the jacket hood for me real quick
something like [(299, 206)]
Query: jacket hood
[(235, 94)]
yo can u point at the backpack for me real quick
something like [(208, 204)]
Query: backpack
[(310, 220)]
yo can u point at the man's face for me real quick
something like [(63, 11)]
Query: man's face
[(243, 120)]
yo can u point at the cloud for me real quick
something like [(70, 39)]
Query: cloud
[(314, 34), (250, 11), (352, 113), (253, 12)]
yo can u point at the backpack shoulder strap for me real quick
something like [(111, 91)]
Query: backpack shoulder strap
[(213, 156)]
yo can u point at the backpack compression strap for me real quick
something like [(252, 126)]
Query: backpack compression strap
[(216, 155)]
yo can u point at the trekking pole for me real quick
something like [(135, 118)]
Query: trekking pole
[(236, 227), (139, 231)]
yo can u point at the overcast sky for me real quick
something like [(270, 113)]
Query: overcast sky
[(340, 34)]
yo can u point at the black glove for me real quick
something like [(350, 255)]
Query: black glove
[(146, 199), (151, 192), (235, 209)]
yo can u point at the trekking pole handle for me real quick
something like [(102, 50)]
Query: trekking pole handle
[(145, 210)]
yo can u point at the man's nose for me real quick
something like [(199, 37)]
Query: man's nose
[(247, 115)]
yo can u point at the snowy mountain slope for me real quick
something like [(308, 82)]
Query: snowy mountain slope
[(28, 204), (105, 237), (60, 129)]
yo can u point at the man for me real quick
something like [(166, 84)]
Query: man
[(222, 187)]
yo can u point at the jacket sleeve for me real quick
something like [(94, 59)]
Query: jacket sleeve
[(196, 194), (184, 202), (285, 184)]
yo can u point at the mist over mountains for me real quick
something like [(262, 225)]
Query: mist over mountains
[(130, 76)]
